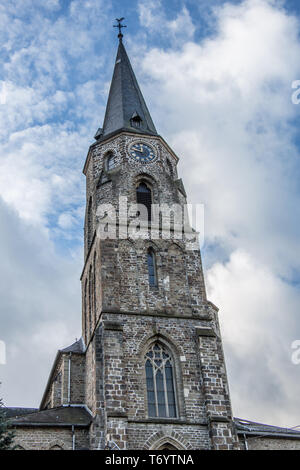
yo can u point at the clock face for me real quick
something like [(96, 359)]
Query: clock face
[(141, 152)]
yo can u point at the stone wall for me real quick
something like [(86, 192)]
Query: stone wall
[(50, 438), (119, 389), (269, 443), (58, 392)]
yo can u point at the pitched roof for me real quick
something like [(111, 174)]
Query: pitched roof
[(77, 347), (125, 101), (12, 412), (62, 416), (244, 426)]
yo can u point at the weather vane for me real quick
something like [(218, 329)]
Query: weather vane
[(120, 26)]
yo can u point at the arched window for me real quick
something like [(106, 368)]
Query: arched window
[(167, 446), (152, 268), (110, 161), (144, 196), (160, 383)]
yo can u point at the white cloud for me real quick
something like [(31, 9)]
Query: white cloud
[(259, 321), (46, 125), (34, 322), (66, 220), (225, 108), (153, 17)]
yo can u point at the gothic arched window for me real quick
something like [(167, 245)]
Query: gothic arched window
[(110, 161), (152, 268), (144, 197), (160, 383)]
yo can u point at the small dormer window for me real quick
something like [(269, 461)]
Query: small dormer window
[(136, 120), (98, 134)]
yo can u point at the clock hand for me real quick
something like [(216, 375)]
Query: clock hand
[(143, 154)]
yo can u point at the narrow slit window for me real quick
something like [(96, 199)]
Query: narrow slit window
[(152, 268)]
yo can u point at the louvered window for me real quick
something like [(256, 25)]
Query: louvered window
[(160, 383), (143, 196), (136, 120)]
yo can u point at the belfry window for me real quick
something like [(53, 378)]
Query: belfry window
[(110, 161), (160, 383), (136, 120), (144, 197), (152, 268)]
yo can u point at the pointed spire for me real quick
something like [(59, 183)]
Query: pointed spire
[(126, 108)]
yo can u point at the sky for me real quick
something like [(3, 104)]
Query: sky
[(217, 77)]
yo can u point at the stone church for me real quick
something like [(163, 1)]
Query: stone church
[(149, 371)]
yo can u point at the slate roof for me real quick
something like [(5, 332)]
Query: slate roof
[(125, 100), (62, 416), (11, 412), (77, 347), (244, 426)]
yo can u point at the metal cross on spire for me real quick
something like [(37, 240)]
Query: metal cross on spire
[(120, 26)]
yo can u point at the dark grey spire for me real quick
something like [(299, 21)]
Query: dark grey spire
[(126, 108)]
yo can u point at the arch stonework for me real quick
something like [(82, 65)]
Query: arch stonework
[(165, 338), (160, 438), (57, 443)]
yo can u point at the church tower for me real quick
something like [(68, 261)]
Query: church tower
[(154, 371)]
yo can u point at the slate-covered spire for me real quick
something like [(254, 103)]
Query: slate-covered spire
[(126, 108)]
